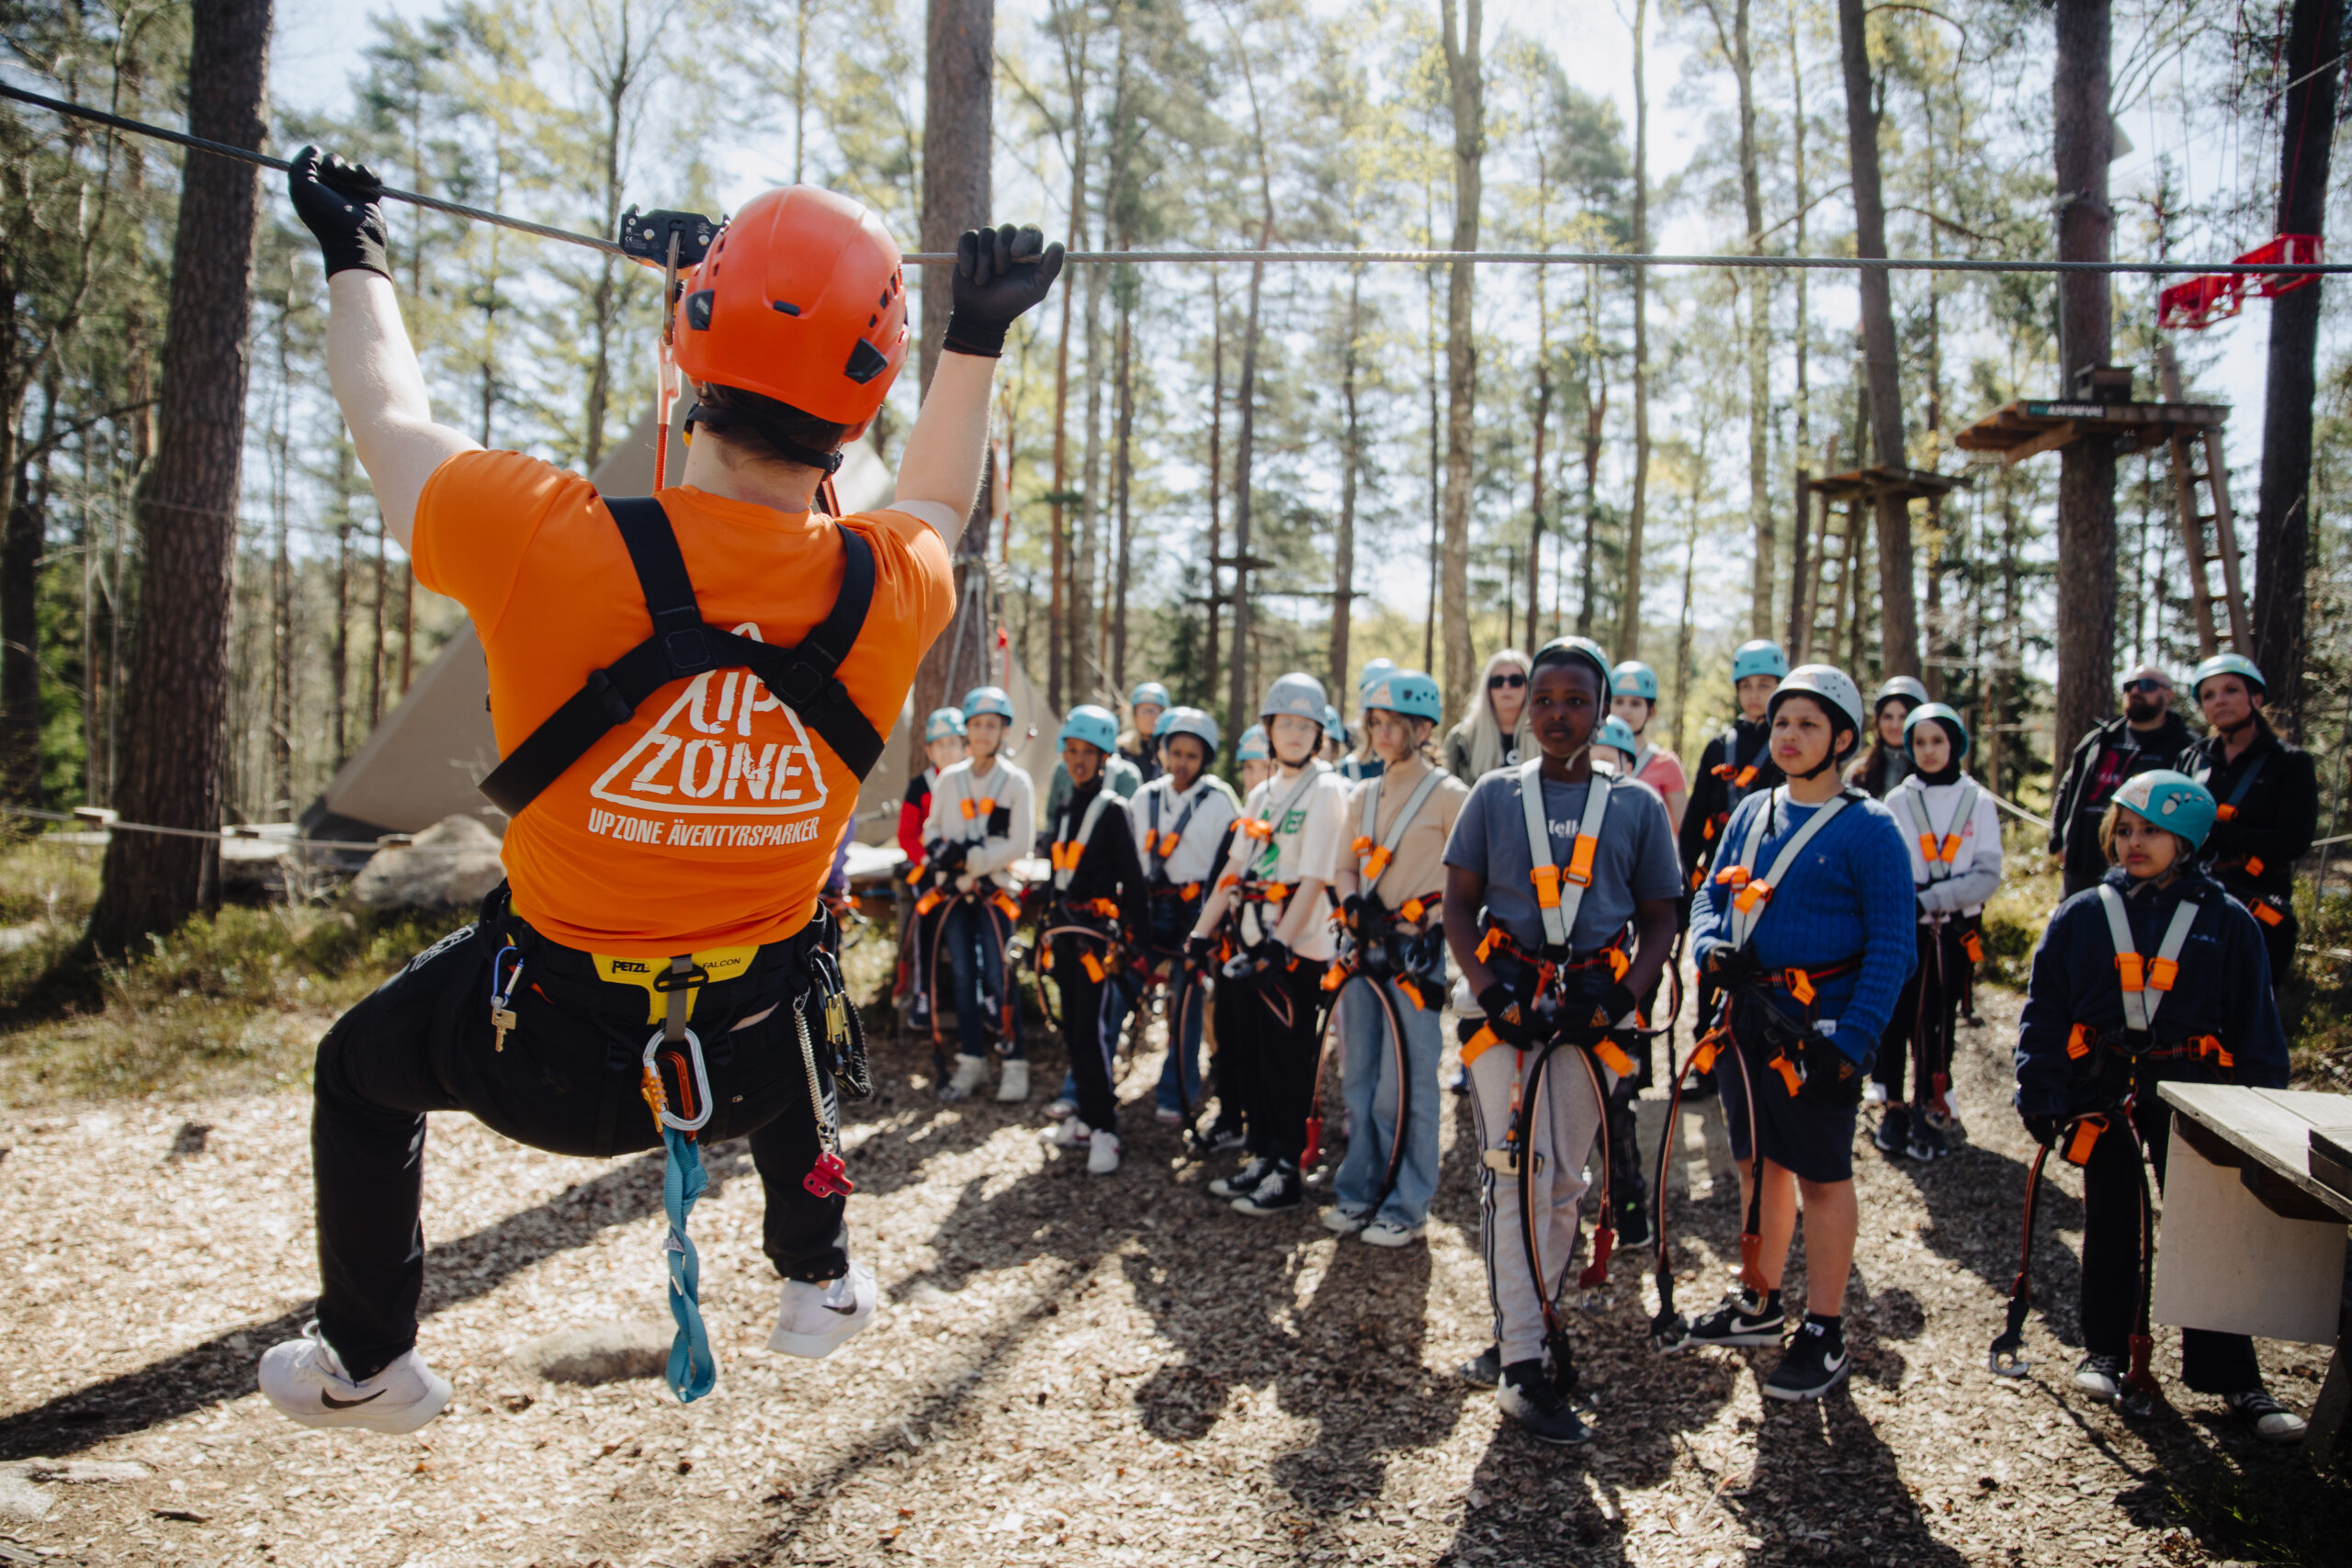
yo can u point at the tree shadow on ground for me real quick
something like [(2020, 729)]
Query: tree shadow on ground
[(1825, 1489)]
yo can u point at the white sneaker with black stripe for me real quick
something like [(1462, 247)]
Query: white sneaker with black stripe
[(304, 1378)]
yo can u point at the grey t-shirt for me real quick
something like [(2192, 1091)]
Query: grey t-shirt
[(1634, 861)]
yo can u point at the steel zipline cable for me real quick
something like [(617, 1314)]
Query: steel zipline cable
[(1252, 257)]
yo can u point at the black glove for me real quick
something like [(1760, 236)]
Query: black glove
[(1831, 1077), (1730, 968), (949, 858), (342, 205), (1275, 954), (1352, 910), (1504, 1015), (1197, 950), (1612, 1004), (2042, 1129), (999, 272)]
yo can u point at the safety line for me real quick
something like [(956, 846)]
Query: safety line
[(1256, 257), (2014, 809), (226, 835)]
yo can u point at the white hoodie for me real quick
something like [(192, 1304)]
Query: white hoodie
[(1926, 811)]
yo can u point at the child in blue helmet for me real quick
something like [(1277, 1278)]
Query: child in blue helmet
[(2155, 974), (1253, 758), (943, 746), (1092, 919), (1139, 745), (1392, 967), (1806, 925), (1362, 762), (1183, 819), (1954, 831), (983, 817)]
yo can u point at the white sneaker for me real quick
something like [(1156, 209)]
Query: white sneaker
[(1068, 1133), (1388, 1233), (969, 1071), (1012, 1083), (304, 1378), (1102, 1154), (2271, 1422), (1063, 1107), (1873, 1093), (1343, 1221), (815, 1316)]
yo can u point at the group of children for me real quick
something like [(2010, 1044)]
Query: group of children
[(1828, 863)]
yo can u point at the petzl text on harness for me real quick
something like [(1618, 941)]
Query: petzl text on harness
[(805, 679)]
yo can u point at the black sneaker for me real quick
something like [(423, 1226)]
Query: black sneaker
[(2271, 1421), (1739, 1319), (1813, 1364), (1528, 1397), (1483, 1370), (1225, 1134), (2100, 1377), (1633, 1223), (1245, 1179), (1893, 1134), (1927, 1141), (1281, 1192)]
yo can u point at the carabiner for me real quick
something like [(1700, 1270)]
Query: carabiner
[(702, 1083)]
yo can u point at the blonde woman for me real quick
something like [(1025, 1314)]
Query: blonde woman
[(1493, 732)]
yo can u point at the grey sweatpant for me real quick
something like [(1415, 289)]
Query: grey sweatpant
[(1563, 1127)]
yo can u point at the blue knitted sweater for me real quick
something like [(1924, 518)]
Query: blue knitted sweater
[(1850, 894)]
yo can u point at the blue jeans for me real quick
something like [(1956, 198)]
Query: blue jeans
[(1188, 1005), (1368, 1061), (975, 938)]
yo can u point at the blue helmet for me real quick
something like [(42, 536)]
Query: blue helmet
[(1759, 658), (988, 699), (1374, 671), (942, 725), (1159, 725), (2236, 664), (1572, 650), (1954, 726), (1151, 692), (1633, 679), (1252, 747), (1298, 696), (1334, 727), (1616, 732), (1407, 692), (2172, 801), (1192, 722), (1093, 725), (1900, 689)]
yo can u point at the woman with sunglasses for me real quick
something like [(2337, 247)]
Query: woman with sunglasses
[(1493, 732)]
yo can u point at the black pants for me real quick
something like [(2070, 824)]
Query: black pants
[(567, 1081), (2209, 1363), (1089, 1044), (1277, 1013), (1926, 1018)]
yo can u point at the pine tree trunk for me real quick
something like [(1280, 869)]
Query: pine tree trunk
[(1535, 492), (1898, 614), (958, 97), (2283, 526), (2086, 469), (1216, 598), (1467, 78), (1629, 608), (174, 728)]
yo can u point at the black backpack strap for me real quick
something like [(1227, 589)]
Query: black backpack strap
[(804, 678)]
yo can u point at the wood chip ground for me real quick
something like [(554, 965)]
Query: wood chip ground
[(1067, 1370)]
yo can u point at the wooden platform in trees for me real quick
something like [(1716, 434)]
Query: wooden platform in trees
[(2031, 427)]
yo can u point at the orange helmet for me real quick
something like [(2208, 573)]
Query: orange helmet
[(800, 300)]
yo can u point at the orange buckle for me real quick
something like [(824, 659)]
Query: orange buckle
[(1753, 894), (1617, 963), (1167, 843), (1046, 959), (1547, 886), (1612, 1057), (1704, 1055), (1093, 965), (1375, 865), (1106, 908), (1150, 837), (1008, 906), (1335, 976), (2162, 971), (1191, 891), (1951, 851), (1487, 943), (970, 807), (1273, 892), (930, 901), (2085, 1138), (2254, 865), (2267, 914), (1478, 1045), (1787, 1071), (2210, 1045), (2078, 1042), (2225, 813), (1413, 909), (1723, 770), (1973, 945), (1251, 828), (1580, 860), (1927, 847), (1800, 986), (1708, 829), (1412, 990), (1747, 776), (1731, 876), (1224, 882), (2128, 964), (1361, 847)]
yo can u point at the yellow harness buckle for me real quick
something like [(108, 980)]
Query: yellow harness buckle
[(715, 964)]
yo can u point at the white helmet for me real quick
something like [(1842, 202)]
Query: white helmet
[(1298, 695), (1835, 690)]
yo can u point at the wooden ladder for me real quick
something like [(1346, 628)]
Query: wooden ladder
[(2209, 534)]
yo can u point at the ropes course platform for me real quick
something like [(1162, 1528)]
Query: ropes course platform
[(2031, 427), (1869, 484)]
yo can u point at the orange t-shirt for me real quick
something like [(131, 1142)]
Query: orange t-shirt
[(710, 819)]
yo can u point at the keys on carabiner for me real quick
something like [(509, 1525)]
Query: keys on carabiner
[(504, 1020), (502, 1017)]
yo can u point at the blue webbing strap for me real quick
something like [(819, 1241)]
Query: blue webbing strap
[(692, 1371)]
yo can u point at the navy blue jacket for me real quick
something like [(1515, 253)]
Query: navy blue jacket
[(2223, 989)]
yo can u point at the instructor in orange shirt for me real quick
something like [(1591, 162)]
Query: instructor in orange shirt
[(687, 691)]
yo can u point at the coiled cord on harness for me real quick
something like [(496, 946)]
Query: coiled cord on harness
[(1521, 1138), (992, 915), (1669, 1330)]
